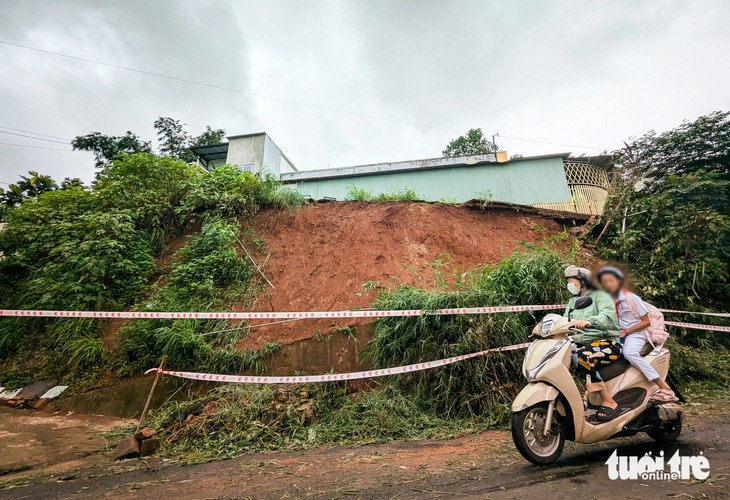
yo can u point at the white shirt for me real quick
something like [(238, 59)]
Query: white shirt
[(625, 318)]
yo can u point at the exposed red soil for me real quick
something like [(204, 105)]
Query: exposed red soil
[(320, 256)]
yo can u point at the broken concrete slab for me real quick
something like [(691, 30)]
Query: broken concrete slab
[(54, 392), (128, 448), (149, 447), (10, 394), (34, 391)]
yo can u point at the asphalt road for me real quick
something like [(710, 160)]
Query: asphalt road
[(483, 466)]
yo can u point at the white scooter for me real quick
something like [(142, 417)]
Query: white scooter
[(551, 409)]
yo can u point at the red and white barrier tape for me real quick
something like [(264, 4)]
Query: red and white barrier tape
[(696, 326), (272, 315), (721, 315), (298, 315), (332, 377)]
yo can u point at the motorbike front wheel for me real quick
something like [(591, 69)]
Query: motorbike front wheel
[(528, 434)]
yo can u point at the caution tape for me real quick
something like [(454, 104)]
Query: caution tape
[(696, 326), (300, 315), (273, 315), (720, 315), (334, 377)]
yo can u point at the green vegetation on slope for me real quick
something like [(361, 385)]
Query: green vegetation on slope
[(94, 248)]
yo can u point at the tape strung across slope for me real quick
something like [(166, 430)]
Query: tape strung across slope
[(293, 315), (696, 326), (273, 315), (330, 314), (332, 377)]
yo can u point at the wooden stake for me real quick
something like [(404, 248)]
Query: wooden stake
[(152, 390)]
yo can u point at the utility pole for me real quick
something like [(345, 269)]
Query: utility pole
[(494, 142)]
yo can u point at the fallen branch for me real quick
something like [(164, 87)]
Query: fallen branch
[(254, 263)]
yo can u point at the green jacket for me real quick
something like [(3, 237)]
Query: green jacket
[(601, 314)]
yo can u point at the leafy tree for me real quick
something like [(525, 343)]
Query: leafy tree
[(702, 145), (172, 137), (225, 191), (473, 143), (152, 187), (173, 140), (70, 182), (209, 137), (674, 231), (27, 187), (107, 147), (176, 142)]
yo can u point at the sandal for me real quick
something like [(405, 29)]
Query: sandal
[(606, 413), (664, 396)]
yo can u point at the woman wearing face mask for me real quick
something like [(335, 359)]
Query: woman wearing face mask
[(599, 343)]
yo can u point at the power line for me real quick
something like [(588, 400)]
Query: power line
[(273, 98), (34, 147), (36, 133), (551, 143), (227, 89), (31, 137)]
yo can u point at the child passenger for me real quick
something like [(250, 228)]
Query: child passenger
[(633, 334)]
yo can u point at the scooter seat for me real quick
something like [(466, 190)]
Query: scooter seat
[(614, 369), (620, 365)]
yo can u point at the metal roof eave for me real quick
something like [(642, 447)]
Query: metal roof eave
[(211, 152), (388, 168)]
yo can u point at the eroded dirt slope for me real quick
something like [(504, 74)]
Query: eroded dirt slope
[(320, 256)]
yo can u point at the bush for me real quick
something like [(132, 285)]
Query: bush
[(361, 194), (271, 193), (94, 249), (404, 194), (479, 387), (207, 274), (150, 186), (358, 194), (224, 192), (61, 253)]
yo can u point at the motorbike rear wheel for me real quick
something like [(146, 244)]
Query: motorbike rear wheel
[(667, 434), (528, 434)]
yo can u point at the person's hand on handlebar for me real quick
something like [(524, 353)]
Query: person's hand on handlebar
[(582, 325)]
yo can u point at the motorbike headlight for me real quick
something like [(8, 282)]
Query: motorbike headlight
[(546, 327)]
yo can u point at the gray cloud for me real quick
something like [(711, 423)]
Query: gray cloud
[(582, 73)]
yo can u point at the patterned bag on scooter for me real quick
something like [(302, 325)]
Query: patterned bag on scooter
[(656, 332)]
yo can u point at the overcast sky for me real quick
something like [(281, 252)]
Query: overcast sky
[(579, 73)]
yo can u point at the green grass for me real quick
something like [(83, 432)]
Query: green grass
[(240, 419), (361, 194)]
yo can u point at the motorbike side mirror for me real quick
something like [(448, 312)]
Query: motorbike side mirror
[(582, 302)]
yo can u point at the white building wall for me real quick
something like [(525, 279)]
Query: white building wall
[(257, 153), (247, 152)]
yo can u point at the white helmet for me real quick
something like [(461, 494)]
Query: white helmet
[(579, 273)]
